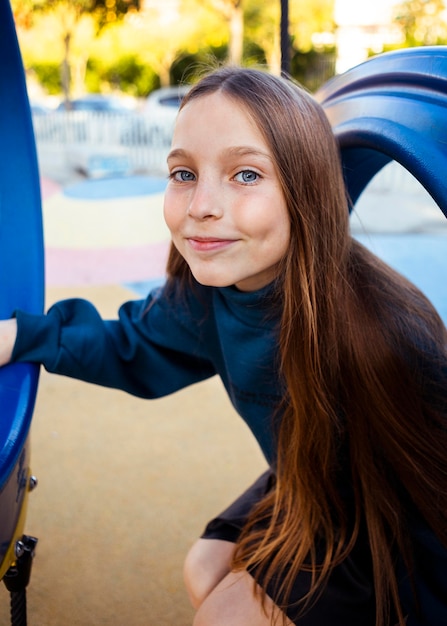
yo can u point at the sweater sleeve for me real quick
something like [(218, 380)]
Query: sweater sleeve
[(154, 347)]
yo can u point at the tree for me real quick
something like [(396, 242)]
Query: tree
[(71, 21), (262, 25), (163, 32), (423, 22), (105, 11), (232, 11), (308, 18), (108, 11)]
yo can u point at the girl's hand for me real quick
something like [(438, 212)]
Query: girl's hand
[(8, 333)]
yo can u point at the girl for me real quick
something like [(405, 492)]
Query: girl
[(337, 364)]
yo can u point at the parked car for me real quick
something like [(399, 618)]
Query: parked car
[(154, 122), (90, 127), (165, 99), (96, 102), (88, 119)]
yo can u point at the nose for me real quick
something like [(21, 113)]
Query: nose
[(205, 202)]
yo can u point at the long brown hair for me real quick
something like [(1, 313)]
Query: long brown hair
[(360, 348)]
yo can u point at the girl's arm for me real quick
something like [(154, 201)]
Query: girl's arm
[(8, 333), (153, 348)]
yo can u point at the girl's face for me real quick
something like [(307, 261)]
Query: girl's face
[(224, 205)]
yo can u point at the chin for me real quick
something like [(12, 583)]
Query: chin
[(210, 281)]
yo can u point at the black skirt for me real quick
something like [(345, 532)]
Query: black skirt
[(348, 597)]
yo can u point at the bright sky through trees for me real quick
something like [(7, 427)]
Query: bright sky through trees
[(363, 13)]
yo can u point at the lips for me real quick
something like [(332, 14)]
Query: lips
[(208, 244)]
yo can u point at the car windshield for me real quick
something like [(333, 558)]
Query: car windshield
[(94, 104), (171, 101)]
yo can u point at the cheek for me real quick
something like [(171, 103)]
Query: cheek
[(278, 239), (171, 214), (275, 232)]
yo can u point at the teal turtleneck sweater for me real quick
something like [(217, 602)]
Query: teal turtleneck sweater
[(166, 342)]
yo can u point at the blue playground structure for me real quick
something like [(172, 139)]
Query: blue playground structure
[(22, 271), (392, 107)]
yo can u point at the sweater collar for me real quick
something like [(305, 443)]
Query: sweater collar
[(252, 307)]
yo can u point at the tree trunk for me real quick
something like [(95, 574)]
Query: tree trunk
[(164, 73), (65, 68), (78, 72), (285, 37), (236, 35), (273, 53)]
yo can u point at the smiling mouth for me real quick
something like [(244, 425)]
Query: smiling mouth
[(208, 244)]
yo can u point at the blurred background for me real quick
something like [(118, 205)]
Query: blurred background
[(126, 486), (103, 75)]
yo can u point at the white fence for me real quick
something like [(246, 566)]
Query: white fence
[(100, 143)]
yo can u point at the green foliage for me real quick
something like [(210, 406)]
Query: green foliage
[(423, 22), (313, 68), (188, 67), (48, 75), (105, 11), (135, 55), (108, 11), (127, 74), (120, 6), (254, 54)]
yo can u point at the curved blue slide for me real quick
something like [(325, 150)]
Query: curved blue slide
[(392, 107)]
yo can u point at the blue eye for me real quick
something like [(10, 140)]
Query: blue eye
[(183, 176), (247, 177)]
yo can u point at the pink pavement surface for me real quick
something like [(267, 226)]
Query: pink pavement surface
[(90, 266), (106, 266), (48, 187)]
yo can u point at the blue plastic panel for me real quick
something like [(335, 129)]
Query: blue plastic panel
[(21, 240), (392, 107)]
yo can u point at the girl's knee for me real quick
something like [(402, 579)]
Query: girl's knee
[(237, 601), (206, 564)]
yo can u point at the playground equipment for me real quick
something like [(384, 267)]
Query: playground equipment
[(392, 107), (22, 272)]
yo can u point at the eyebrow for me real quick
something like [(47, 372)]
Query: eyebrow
[(232, 151), (177, 152)]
